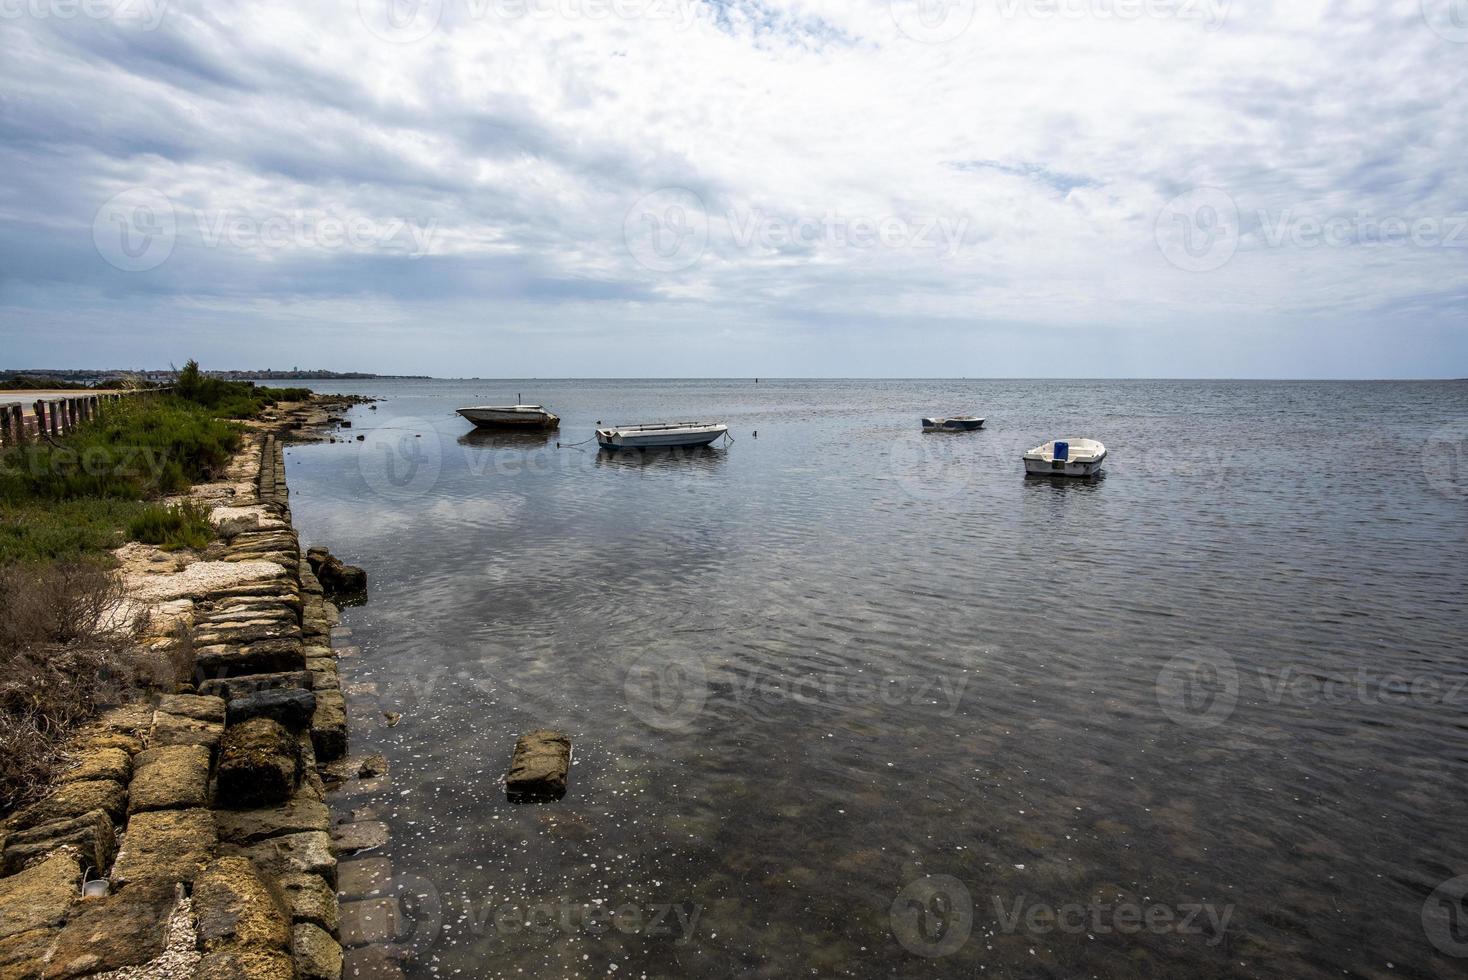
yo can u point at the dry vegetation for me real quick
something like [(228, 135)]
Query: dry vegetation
[(64, 654)]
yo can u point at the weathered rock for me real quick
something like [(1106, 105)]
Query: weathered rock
[(234, 905), (170, 777), (329, 725), (129, 719), (165, 845), (311, 899), (293, 708), (100, 763), (230, 688), (39, 897), (92, 739), (198, 707), (90, 835), (317, 955), (242, 633), (335, 577), (71, 800), (539, 765), (364, 835), (300, 815), (124, 929), (361, 877), (356, 767), (259, 764), (260, 657), (23, 955), (170, 729), (308, 853), (245, 963)]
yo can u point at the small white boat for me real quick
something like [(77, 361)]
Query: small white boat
[(507, 416), (662, 435), (1065, 457), (959, 423)]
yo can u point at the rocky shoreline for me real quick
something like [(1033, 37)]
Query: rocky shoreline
[(194, 834)]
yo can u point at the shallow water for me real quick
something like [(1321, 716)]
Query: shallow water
[(851, 700)]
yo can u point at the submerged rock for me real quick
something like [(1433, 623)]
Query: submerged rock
[(539, 766), (336, 578)]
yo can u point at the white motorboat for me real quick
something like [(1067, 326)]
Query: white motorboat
[(1065, 457), (958, 423), (664, 435), (510, 416)]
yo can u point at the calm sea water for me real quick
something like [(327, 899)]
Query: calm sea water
[(849, 700)]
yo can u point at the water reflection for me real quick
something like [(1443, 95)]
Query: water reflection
[(695, 457), (508, 438)]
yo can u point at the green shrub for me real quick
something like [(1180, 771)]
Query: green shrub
[(184, 525)]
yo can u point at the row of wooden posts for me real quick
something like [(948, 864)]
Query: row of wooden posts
[(58, 416)]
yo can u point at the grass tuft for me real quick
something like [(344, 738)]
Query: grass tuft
[(184, 525)]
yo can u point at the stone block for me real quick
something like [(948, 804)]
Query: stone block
[(93, 762), (307, 853), (318, 956), (293, 708), (39, 897), (90, 835), (234, 905), (170, 777), (539, 765), (165, 845), (124, 929), (71, 800), (310, 899), (259, 764)]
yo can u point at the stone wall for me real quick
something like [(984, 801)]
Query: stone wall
[(205, 809)]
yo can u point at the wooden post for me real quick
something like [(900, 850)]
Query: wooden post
[(55, 422), (71, 413)]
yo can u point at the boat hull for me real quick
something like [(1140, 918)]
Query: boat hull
[(670, 438), (1043, 467), (488, 418), (952, 425)]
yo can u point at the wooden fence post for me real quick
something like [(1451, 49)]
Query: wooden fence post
[(71, 413)]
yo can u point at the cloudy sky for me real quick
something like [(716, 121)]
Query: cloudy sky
[(521, 188)]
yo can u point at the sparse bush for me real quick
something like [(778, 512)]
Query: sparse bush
[(63, 655), (184, 525)]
